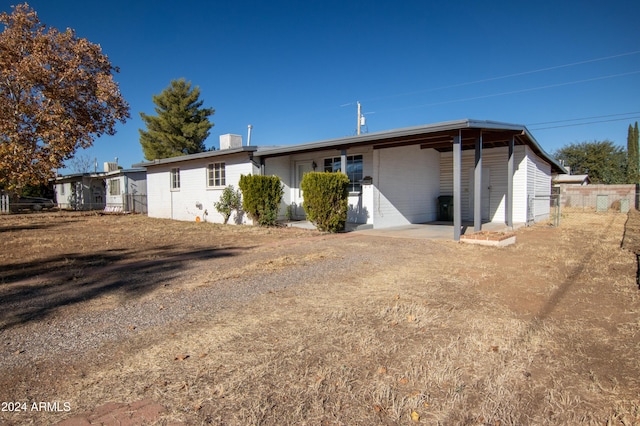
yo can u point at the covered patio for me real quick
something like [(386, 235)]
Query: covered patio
[(492, 171)]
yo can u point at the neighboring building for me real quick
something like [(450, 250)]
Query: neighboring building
[(114, 190), (80, 191), (567, 179), (396, 176), (126, 190)]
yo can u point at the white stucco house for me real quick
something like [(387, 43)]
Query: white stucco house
[(397, 176), (186, 187)]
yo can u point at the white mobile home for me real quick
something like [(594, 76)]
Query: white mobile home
[(80, 191), (126, 190), (117, 190)]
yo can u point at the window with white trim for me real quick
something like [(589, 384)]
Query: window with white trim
[(114, 186), (175, 179), (216, 175), (354, 170)]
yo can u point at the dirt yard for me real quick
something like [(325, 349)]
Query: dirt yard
[(113, 318)]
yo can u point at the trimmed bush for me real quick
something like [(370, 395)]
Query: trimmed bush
[(261, 197), (326, 200), (229, 201)]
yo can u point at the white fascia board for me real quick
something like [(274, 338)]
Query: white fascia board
[(206, 154)]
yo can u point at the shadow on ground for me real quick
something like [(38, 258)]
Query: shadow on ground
[(31, 291)]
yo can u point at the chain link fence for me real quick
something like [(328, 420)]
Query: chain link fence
[(543, 207), (577, 201)]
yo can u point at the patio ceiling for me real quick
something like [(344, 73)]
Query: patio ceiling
[(443, 141)]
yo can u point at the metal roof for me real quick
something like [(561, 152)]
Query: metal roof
[(206, 154), (438, 136)]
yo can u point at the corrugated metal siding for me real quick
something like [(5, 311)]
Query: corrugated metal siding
[(407, 184)]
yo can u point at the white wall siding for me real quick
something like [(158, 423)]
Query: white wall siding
[(281, 167), (360, 205), (194, 198), (520, 194), (407, 185), (539, 186), (496, 161), (115, 199)]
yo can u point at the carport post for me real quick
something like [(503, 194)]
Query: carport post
[(510, 164), (457, 177), (477, 187)]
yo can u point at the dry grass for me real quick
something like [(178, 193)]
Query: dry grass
[(544, 332)]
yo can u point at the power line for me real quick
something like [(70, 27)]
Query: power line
[(512, 92), (583, 118), (584, 124), (604, 58)]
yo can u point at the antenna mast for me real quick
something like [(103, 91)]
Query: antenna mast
[(359, 116)]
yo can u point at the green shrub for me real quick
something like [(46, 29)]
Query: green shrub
[(229, 201), (261, 197), (326, 200)]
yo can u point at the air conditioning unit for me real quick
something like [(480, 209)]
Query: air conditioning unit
[(230, 141), (110, 167)]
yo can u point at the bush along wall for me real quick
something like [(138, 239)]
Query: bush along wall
[(326, 200), (229, 201), (261, 197)]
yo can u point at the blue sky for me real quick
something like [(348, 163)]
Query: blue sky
[(295, 69)]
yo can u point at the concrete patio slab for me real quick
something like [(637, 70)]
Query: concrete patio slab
[(431, 230)]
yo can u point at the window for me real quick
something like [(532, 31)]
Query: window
[(216, 174), (114, 186), (332, 164), (175, 178), (354, 170), (62, 189)]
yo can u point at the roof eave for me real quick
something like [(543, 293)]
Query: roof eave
[(200, 155)]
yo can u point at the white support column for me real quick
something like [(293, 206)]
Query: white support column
[(343, 161), (477, 187), (510, 171), (457, 179)]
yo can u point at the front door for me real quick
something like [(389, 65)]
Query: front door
[(301, 169)]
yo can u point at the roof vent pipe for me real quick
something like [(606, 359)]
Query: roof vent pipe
[(249, 127)]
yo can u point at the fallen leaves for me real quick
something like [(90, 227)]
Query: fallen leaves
[(415, 416), (181, 357)]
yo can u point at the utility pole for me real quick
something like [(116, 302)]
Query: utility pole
[(359, 115)]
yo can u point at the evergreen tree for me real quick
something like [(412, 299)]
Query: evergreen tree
[(181, 125), (637, 145), (632, 154), (603, 161)]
